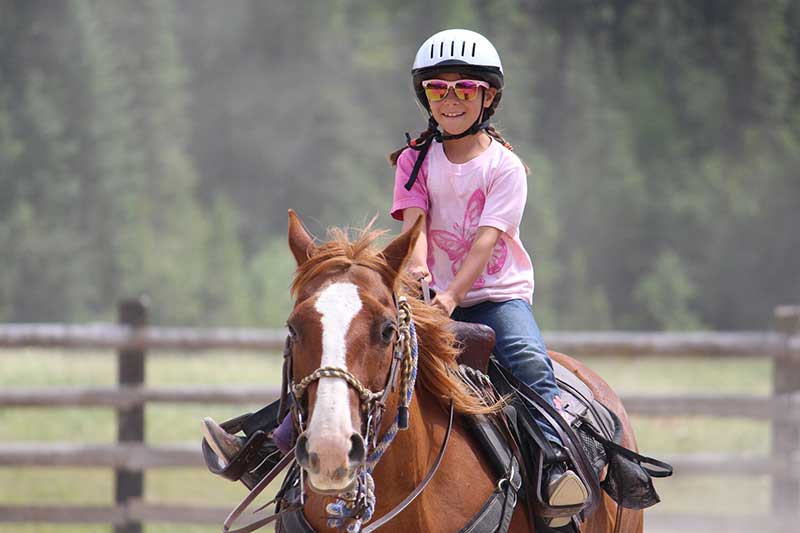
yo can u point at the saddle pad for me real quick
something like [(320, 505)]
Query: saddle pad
[(579, 403)]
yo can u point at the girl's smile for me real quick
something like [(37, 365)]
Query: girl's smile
[(455, 116)]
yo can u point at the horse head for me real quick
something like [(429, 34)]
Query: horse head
[(344, 333)]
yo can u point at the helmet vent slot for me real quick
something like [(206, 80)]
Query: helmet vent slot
[(473, 49), (441, 49), (463, 47), (452, 47), (432, 45)]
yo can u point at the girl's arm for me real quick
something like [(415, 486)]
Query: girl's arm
[(418, 262), (478, 256)]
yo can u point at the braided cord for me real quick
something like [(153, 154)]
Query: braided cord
[(366, 395), (350, 510), (390, 434)]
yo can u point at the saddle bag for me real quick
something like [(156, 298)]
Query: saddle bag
[(629, 478)]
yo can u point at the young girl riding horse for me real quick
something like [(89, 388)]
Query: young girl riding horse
[(463, 178)]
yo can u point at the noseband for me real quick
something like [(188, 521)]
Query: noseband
[(372, 404), (356, 506)]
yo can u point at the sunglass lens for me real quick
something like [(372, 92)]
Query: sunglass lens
[(467, 90), (435, 91)]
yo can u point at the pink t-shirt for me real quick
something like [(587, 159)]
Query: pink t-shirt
[(489, 190)]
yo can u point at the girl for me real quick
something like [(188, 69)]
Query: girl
[(462, 176)]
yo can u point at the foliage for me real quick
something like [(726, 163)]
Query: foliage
[(153, 146)]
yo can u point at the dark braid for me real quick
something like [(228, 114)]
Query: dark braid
[(499, 138), (421, 139)]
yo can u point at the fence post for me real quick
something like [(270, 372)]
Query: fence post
[(129, 485), (786, 434)]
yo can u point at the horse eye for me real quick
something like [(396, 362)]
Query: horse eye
[(387, 332), (292, 332)]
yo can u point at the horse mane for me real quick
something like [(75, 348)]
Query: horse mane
[(437, 345)]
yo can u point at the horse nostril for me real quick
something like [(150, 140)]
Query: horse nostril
[(358, 452), (301, 451), (313, 463)]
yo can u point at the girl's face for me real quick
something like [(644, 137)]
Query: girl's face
[(456, 116)]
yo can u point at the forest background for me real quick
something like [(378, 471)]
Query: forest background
[(154, 146)]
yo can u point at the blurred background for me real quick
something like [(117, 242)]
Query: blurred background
[(154, 146)]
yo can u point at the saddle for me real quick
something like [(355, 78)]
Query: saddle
[(591, 432), (592, 437)]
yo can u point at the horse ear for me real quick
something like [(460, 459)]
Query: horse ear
[(300, 242), (399, 250)]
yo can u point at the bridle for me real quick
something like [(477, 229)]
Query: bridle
[(356, 506), (372, 404)]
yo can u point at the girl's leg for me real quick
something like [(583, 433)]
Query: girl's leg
[(519, 348)]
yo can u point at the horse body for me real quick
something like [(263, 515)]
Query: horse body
[(604, 519), (345, 317)]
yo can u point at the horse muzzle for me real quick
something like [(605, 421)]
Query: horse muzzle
[(330, 461)]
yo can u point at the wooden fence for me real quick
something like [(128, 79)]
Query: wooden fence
[(130, 456)]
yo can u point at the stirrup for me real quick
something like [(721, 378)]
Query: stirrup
[(567, 490), (224, 445)]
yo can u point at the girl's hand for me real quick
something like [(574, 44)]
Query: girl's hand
[(446, 302), (418, 272)]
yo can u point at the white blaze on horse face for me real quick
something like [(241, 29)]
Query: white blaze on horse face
[(331, 426)]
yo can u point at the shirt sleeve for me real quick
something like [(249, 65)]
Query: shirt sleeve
[(418, 195), (505, 198)]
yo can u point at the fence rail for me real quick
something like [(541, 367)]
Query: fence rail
[(130, 457), (618, 344)]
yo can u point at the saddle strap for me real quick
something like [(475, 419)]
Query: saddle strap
[(495, 515), (416, 492), (258, 489), (579, 460)]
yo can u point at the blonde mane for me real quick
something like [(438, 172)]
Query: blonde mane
[(437, 344)]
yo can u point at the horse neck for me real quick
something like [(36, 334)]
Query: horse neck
[(406, 462)]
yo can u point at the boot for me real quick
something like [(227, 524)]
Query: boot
[(563, 488), (225, 445)]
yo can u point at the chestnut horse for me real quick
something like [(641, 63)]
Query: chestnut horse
[(345, 318)]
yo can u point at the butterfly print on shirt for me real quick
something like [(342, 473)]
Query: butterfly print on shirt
[(457, 243)]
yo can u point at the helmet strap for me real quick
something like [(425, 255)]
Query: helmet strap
[(438, 136)]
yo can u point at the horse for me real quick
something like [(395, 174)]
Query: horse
[(344, 331)]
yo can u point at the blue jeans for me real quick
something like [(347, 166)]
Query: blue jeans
[(519, 348)]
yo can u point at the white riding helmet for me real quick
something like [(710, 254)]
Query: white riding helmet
[(457, 47), (462, 51), (465, 52)]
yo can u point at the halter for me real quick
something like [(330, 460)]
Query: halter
[(356, 506), (371, 403), (352, 509)]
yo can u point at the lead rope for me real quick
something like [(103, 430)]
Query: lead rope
[(354, 508)]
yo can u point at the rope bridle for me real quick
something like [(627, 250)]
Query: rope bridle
[(371, 403), (366, 396), (357, 505)]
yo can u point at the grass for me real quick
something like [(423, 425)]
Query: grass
[(167, 423)]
